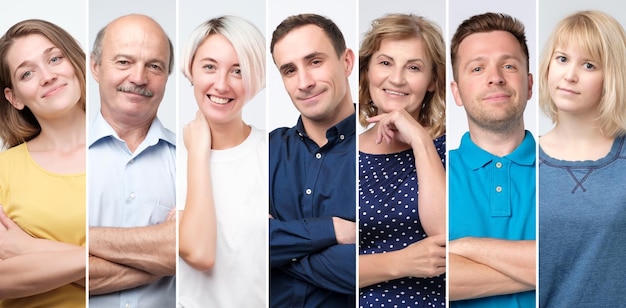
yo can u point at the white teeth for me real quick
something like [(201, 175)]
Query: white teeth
[(219, 100), (395, 93)]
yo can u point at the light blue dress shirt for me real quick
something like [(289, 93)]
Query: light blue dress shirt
[(495, 197), (132, 189)]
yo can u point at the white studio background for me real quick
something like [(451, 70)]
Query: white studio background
[(552, 12), (458, 11), (281, 112), (164, 12), (193, 13), (56, 12), (369, 10)]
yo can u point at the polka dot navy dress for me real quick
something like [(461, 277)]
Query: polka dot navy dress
[(388, 221)]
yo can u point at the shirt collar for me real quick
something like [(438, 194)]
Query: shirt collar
[(100, 129), (475, 157), (347, 128)]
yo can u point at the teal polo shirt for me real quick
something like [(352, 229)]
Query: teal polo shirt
[(495, 197)]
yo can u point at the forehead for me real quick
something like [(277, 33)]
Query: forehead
[(135, 39), (27, 48), (301, 42), (488, 45), (409, 47), (217, 47)]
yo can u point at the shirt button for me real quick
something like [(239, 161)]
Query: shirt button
[(294, 260), (342, 137), (308, 191), (127, 305), (318, 155), (498, 188), (132, 195), (498, 165)]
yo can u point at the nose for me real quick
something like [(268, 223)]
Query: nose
[(47, 76), (138, 75), (570, 74), (397, 77), (305, 81), (496, 77), (221, 84)]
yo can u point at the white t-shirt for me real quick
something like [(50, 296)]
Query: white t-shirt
[(238, 279)]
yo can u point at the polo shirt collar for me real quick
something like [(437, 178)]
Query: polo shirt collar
[(476, 158)]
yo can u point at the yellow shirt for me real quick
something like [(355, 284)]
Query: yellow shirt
[(45, 205)]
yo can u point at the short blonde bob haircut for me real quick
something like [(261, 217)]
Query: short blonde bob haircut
[(248, 42), (401, 27), (19, 126), (602, 38)]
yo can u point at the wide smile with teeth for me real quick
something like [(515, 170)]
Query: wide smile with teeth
[(219, 100), (395, 93)]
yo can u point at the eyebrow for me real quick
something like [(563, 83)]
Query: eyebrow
[(482, 58), (27, 62), (213, 60), (310, 56), (121, 55), (408, 61)]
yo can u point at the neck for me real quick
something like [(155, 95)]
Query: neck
[(228, 135), (499, 142), (316, 129), (573, 127), (132, 130), (64, 133), (367, 143)]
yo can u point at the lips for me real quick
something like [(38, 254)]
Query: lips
[(568, 91), (53, 90), (497, 96), (219, 100), (393, 92)]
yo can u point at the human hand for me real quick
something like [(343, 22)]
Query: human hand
[(13, 240), (197, 135), (345, 230), (398, 125), (425, 258), (171, 215)]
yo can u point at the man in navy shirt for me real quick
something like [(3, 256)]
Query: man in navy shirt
[(312, 169)]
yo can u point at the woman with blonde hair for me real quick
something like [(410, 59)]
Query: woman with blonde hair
[(402, 232), (223, 236), (42, 174), (582, 222)]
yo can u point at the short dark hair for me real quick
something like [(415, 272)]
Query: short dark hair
[(296, 21), (487, 22)]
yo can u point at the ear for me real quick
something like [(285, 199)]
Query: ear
[(530, 85), (95, 69), (14, 100), (348, 61), (455, 92)]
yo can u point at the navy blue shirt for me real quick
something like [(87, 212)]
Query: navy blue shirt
[(308, 186)]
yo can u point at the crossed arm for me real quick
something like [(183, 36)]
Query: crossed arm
[(124, 258), (320, 251), (481, 267), (31, 266)]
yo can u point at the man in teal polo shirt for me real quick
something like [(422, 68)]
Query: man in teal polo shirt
[(492, 173)]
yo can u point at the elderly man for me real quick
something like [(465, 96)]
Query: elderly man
[(132, 174)]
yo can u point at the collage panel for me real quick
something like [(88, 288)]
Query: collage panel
[(132, 154), (492, 164), (223, 165), (312, 149), (42, 163), (402, 224), (581, 163)]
